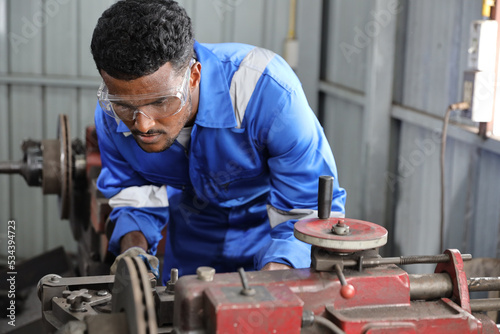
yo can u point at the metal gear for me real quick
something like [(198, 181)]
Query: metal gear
[(58, 167), (64, 137), (132, 294)]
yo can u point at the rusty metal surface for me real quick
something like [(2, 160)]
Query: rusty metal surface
[(442, 316), (489, 326), (273, 309), (484, 284), (51, 180), (384, 285), (432, 286)]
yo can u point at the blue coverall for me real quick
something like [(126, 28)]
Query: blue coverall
[(251, 169)]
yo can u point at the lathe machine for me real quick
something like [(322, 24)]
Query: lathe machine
[(349, 288)]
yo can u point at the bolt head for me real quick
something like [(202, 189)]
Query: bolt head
[(205, 273), (340, 229), (102, 293), (248, 292)]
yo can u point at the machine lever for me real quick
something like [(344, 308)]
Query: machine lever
[(347, 291), (247, 290)]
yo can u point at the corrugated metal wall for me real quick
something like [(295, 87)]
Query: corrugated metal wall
[(46, 69), (431, 42), (435, 58), (356, 94), (346, 116)]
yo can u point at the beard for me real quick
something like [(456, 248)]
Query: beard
[(168, 138)]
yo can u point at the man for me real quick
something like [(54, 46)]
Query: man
[(218, 141)]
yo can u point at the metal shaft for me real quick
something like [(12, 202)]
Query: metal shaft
[(9, 167), (484, 283), (484, 305), (411, 259), (430, 286), (373, 262), (325, 193), (433, 286), (340, 274)]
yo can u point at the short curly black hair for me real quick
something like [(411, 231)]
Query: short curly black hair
[(134, 38)]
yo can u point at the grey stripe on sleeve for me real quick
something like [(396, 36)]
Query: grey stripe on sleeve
[(140, 197), (245, 79)]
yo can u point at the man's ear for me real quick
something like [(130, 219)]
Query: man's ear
[(195, 78)]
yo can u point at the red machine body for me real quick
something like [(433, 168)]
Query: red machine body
[(381, 304), (348, 289)]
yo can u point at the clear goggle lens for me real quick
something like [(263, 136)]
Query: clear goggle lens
[(161, 105)]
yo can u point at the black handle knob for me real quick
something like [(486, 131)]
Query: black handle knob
[(325, 193)]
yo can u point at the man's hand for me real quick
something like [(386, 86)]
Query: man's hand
[(275, 266), (152, 262)]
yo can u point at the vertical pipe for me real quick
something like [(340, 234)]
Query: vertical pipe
[(291, 19), (325, 193)]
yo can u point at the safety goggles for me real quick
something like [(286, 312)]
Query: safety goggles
[(161, 105)]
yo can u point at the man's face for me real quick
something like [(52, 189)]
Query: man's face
[(151, 130)]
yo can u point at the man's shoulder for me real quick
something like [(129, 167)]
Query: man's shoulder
[(233, 52), (277, 68)]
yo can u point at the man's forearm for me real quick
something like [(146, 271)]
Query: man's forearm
[(133, 239)]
